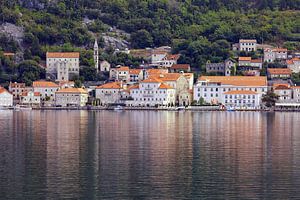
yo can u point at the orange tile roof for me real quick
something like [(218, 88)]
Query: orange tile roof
[(290, 62), (62, 54), (282, 87), (72, 90), (181, 66), (244, 58), (240, 92), (8, 54), (15, 84), (135, 71), (278, 71), (172, 57), (43, 84), (112, 85), (167, 76), (157, 71), (123, 68), (152, 80), (280, 50), (256, 61), (135, 86), (236, 80), (165, 86), (244, 40), (2, 90)]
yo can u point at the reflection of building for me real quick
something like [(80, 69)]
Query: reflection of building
[(71, 97), (62, 66)]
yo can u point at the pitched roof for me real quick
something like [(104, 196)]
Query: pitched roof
[(244, 58), (256, 61), (152, 80), (278, 71), (282, 87), (247, 40), (15, 84), (172, 57), (240, 92), (157, 71), (135, 71), (292, 61), (167, 76), (165, 86), (62, 55), (123, 68), (280, 50), (112, 85), (43, 84), (2, 90), (181, 66), (236, 80), (72, 90), (8, 54)]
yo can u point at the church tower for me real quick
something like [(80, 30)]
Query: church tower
[(96, 55)]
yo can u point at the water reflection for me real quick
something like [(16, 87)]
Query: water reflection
[(149, 155)]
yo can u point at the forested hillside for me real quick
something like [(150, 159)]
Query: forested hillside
[(200, 30)]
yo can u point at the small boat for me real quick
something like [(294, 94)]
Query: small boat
[(180, 108), (119, 108), (22, 107), (230, 109)]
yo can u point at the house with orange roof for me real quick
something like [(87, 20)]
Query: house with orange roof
[(176, 68), (71, 97), (279, 73), (46, 89), (157, 55), (6, 98), (294, 64), (135, 75), (284, 91), (249, 63), (122, 74), (214, 88), (153, 71), (17, 88), (152, 92), (272, 54), (110, 93), (61, 66), (169, 60), (30, 98)]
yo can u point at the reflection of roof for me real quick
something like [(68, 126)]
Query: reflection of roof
[(112, 85), (43, 84), (72, 90), (279, 71), (236, 80), (62, 54), (240, 92)]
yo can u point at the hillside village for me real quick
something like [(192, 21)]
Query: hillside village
[(239, 82)]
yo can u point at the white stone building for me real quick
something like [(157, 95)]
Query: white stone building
[(270, 55), (241, 99), (157, 56), (30, 98), (213, 88), (294, 64), (152, 92), (96, 55), (71, 97), (169, 60), (62, 66), (105, 66), (6, 98), (109, 93), (135, 75), (17, 88), (47, 89), (247, 45), (123, 74), (284, 91)]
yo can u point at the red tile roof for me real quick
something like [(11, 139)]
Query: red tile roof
[(165, 86), (44, 84), (244, 58), (72, 90), (279, 71), (181, 66), (240, 92), (112, 85), (135, 71), (37, 94), (2, 90), (62, 55)]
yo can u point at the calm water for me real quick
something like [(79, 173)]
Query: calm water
[(149, 155)]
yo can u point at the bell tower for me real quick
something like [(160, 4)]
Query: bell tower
[(96, 55)]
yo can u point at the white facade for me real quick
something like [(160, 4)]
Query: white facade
[(247, 45), (104, 66), (157, 57), (6, 98), (71, 97), (241, 99), (17, 88), (152, 92), (109, 93), (46, 89), (60, 66), (212, 89), (96, 55), (30, 98), (270, 55), (294, 65)]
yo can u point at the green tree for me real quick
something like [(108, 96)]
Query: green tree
[(270, 98)]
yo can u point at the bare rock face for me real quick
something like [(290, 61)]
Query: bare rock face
[(16, 32)]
